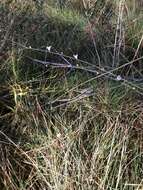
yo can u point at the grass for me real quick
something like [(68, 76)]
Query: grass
[(70, 123)]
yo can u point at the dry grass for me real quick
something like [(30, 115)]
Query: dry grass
[(71, 120)]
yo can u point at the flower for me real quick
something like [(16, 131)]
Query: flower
[(75, 56), (30, 47), (102, 69), (119, 78), (49, 48), (59, 135)]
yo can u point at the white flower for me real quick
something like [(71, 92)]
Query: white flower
[(30, 47), (119, 78), (58, 135), (75, 56), (102, 69), (49, 48)]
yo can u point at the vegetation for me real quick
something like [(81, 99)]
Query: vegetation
[(71, 110)]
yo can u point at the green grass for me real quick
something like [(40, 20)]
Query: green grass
[(66, 128)]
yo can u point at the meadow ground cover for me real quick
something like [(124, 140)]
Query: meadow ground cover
[(71, 95)]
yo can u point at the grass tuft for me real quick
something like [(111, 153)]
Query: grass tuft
[(71, 111)]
